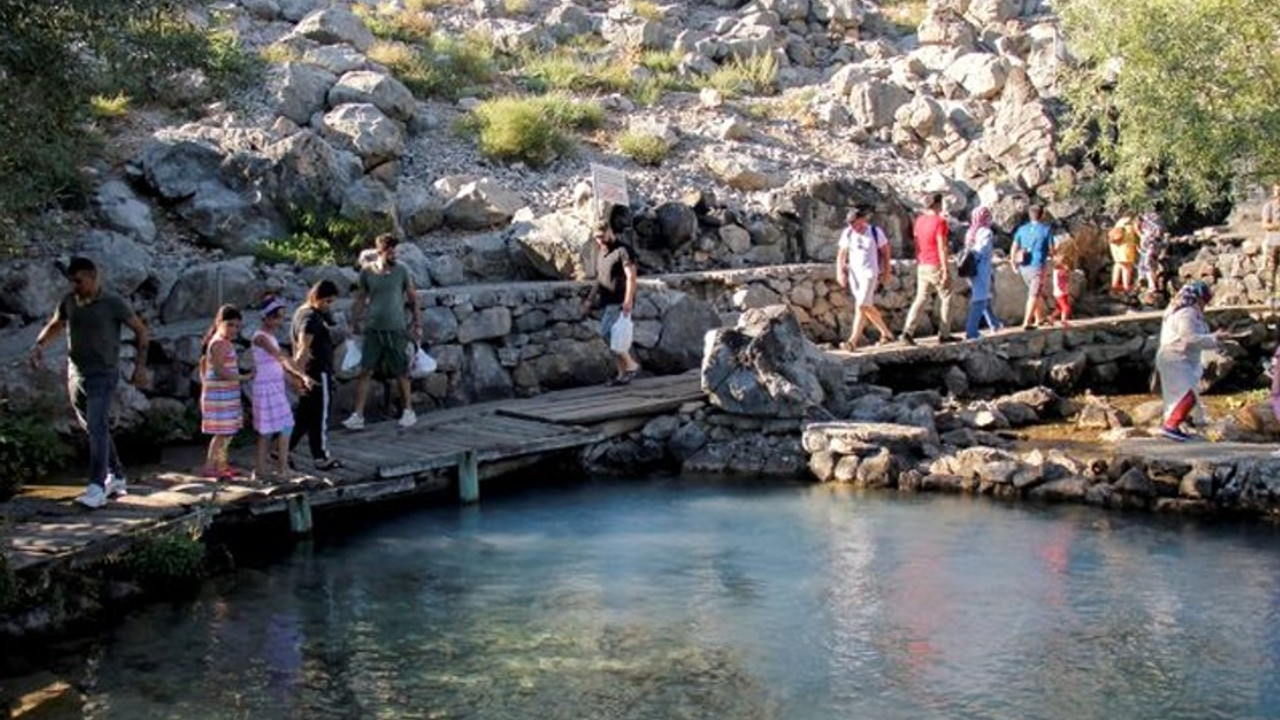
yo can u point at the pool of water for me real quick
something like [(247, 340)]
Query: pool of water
[(665, 600)]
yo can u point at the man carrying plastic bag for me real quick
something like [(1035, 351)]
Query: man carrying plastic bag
[(615, 293)]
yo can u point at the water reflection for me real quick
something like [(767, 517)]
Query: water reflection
[(653, 600)]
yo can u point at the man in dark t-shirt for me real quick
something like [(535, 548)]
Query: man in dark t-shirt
[(93, 318), (313, 351), (615, 293)]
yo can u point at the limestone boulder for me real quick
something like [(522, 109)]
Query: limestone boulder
[(515, 36), (873, 104), (299, 90), (420, 210), (228, 220), (123, 265), (31, 288), (741, 171), (334, 26), (364, 130), (685, 322), (766, 367), (200, 289), (372, 203), (120, 209), (982, 75), (361, 87), (481, 204), (559, 245), (308, 172), (175, 166)]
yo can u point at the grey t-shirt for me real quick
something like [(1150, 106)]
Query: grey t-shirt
[(93, 330), (1271, 214)]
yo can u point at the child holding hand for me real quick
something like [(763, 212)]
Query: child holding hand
[(221, 415), (272, 416)]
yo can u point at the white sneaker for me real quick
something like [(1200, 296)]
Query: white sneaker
[(117, 487), (408, 419), (94, 497), (355, 422)]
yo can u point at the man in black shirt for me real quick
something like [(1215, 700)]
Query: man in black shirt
[(615, 291), (313, 351)]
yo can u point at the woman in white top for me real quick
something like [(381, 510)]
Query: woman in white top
[(1183, 335), (861, 264)]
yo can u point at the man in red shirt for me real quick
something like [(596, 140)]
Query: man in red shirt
[(933, 271)]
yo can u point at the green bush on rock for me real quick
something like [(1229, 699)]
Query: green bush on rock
[(532, 130), (177, 557), (30, 450)]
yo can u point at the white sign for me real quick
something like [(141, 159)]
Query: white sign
[(609, 186)]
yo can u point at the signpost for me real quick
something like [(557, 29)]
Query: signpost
[(609, 187)]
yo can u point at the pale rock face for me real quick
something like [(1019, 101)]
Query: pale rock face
[(335, 26)]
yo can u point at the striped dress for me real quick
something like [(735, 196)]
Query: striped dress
[(220, 409), (271, 411)]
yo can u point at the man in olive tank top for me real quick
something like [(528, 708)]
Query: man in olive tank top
[(379, 314)]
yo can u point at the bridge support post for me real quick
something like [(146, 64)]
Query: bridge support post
[(299, 513), (468, 476)]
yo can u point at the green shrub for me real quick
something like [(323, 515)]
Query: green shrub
[(30, 449), (647, 9), (566, 69), (317, 238), (397, 23), (532, 129), (176, 557), (644, 148), (756, 75), (116, 106), (445, 66)]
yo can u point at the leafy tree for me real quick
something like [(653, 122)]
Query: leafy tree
[(1181, 97), (55, 55)]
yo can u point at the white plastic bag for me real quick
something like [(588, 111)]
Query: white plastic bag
[(349, 365), (422, 364), (620, 335)]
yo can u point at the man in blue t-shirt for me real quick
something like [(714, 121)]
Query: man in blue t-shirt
[(1032, 250)]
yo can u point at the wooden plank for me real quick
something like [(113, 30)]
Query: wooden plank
[(555, 442)]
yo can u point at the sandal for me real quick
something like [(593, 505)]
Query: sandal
[(329, 464)]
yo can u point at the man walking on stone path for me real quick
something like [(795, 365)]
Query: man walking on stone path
[(1271, 240), (93, 317), (615, 291), (385, 289), (862, 263), (1032, 250), (933, 270)]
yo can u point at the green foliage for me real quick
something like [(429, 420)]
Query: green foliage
[(55, 55), (317, 238), (532, 130), (116, 106), (445, 66), (566, 69), (30, 449), (647, 9), (176, 557), (644, 148), (1174, 96), (389, 22), (756, 75)]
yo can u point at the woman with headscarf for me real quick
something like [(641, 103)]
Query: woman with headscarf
[(978, 241), (1183, 335)]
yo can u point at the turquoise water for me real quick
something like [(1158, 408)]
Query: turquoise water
[(663, 600)]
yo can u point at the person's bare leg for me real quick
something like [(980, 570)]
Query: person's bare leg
[(260, 460), (877, 320), (406, 392), (282, 453), (362, 390), (859, 322)]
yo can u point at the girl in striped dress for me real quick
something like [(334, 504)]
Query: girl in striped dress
[(220, 409), (272, 415)]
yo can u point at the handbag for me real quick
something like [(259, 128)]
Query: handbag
[(967, 265)]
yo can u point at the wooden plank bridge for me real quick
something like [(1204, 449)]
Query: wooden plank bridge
[(461, 446)]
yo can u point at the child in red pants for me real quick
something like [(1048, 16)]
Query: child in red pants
[(1062, 290)]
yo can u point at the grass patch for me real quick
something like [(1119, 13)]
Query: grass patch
[(279, 54), (644, 148), (565, 69), (532, 130), (389, 22), (661, 61), (429, 5), (647, 10), (756, 75), (905, 15), (517, 7), (445, 67), (109, 107)]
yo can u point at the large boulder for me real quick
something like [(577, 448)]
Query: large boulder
[(383, 91), (201, 288), (743, 172), (686, 320), (874, 103), (309, 173), (176, 166), (365, 130), (481, 204), (299, 91), (226, 219), (766, 367), (982, 75), (821, 208), (31, 289), (121, 210), (335, 26), (559, 245), (123, 264)]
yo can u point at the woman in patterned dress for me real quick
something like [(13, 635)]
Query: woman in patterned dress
[(272, 415), (220, 409)]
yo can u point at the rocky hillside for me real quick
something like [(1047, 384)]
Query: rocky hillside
[(758, 123)]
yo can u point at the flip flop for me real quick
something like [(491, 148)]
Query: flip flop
[(329, 464)]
